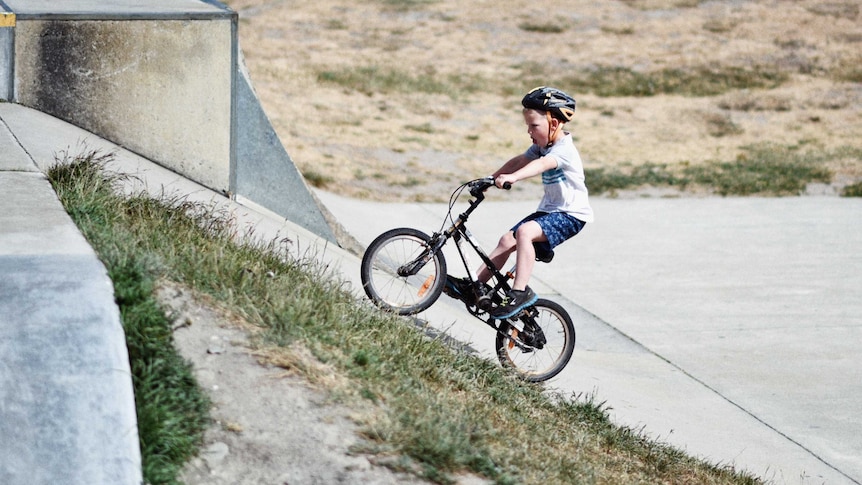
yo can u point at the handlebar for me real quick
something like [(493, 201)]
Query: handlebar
[(477, 189), (478, 186)]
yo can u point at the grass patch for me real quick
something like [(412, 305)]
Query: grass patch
[(172, 411), (721, 124), (853, 190), (606, 81), (542, 27), (719, 25), (661, 4), (423, 128), (406, 5), (317, 179), (602, 180), (443, 411), (376, 79), (763, 169), (625, 30), (335, 24), (848, 70), (845, 10), (618, 81), (700, 81)]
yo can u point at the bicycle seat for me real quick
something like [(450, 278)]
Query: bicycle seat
[(543, 253)]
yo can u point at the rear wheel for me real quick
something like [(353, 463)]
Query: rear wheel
[(543, 345), (385, 278)]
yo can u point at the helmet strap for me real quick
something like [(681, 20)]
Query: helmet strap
[(552, 137)]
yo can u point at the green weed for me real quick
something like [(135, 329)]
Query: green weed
[(423, 128), (701, 81), (764, 169), (376, 79), (406, 5), (542, 27), (316, 178), (601, 180), (853, 190), (617, 81)]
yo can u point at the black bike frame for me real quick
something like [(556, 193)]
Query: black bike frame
[(458, 232)]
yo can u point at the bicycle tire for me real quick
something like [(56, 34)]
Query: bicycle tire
[(532, 363), (404, 295)]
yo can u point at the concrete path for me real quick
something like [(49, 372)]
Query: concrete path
[(734, 325), (67, 409)]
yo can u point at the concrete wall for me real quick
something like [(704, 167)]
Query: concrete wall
[(163, 79), (161, 88)]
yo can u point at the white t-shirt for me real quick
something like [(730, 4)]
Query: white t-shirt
[(565, 190)]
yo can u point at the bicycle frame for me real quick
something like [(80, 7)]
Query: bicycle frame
[(459, 233)]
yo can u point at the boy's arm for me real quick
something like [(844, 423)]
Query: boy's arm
[(513, 165), (520, 168)]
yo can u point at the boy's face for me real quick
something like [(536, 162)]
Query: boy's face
[(538, 127)]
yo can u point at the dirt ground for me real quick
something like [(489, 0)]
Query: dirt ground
[(270, 425), (407, 144)]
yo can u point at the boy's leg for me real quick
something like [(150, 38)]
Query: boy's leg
[(554, 228), (526, 235), (498, 256), (521, 296)]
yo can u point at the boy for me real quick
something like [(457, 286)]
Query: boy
[(564, 209)]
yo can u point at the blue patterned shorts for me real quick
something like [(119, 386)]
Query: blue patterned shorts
[(557, 226)]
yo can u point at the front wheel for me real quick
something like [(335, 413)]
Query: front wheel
[(385, 267), (543, 346)]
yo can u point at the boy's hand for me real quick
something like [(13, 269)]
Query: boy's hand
[(505, 181)]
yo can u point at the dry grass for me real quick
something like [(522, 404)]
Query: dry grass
[(347, 84)]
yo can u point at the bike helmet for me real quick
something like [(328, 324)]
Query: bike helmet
[(551, 100)]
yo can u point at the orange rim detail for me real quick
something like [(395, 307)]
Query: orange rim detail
[(512, 340), (426, 285)]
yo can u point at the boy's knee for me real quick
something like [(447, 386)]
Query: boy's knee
[(529, 231), (507, 241)]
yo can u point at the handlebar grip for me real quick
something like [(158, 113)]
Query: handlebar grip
[(507, 185)]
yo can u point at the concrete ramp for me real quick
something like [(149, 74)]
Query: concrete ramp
[(265, 173)]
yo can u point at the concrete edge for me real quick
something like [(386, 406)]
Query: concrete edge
[(72, 417)]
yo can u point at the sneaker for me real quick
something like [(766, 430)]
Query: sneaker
[(463, 289), (514, 302)]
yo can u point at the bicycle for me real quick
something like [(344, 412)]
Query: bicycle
[(404, 271)]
